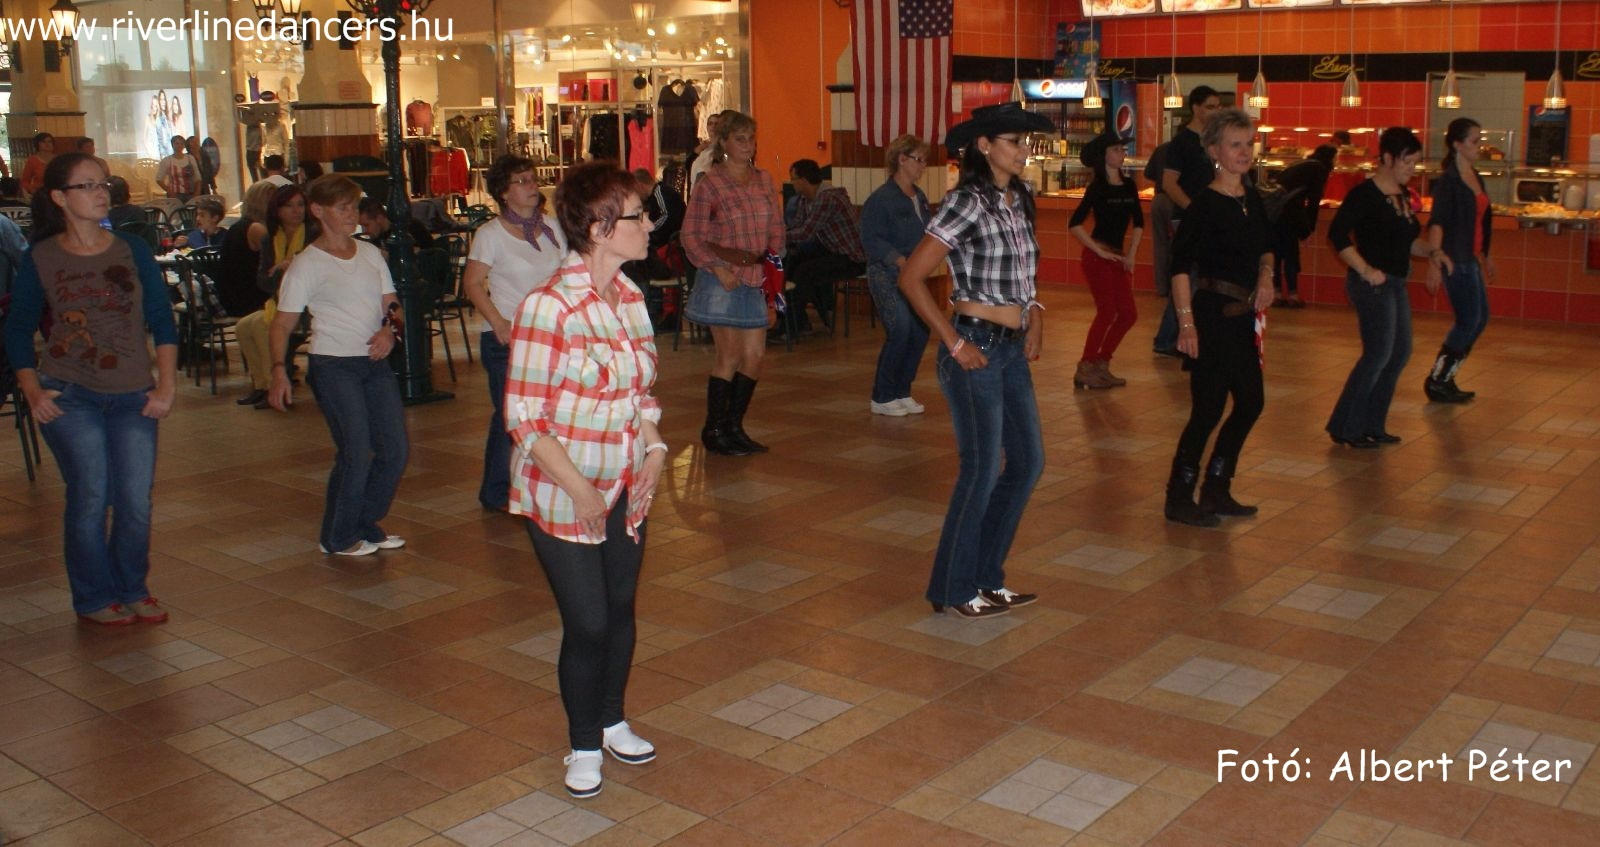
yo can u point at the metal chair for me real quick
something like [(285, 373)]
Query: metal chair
[(433, 268), (206, 321), (456, 303), (848, 289), (183, 220)]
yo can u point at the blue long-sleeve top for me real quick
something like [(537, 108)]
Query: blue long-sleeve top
[(100, 307), (892, 224)]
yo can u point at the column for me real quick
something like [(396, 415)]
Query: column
[(44, 95), (335, 114)]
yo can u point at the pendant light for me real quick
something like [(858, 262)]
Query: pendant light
[(1450, 89), (1351, 95), (1172, 92), (1016, 74), (1555, 91), (1258, 90), (1091, 89)]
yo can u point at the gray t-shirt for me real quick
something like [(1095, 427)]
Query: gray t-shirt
[(97, 338)]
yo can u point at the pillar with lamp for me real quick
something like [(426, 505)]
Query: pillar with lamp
[(65, 16), (416, 354)]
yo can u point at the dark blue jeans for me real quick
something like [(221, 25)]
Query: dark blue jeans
[(1469, 299), (106, 451), (1383, 313), (904, 337), (495, 492), (996, 423), (360, 399)]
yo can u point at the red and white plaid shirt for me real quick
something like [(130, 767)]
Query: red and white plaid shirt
[(580, 372), (744, 217)]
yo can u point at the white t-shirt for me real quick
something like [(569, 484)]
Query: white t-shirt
[(700, 165), (344, 296), (515, 268), (190, 184)]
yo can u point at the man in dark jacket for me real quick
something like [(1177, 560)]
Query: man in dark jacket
[(1298, 219)]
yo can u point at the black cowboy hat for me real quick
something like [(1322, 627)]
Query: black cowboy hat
[(993, 120), (1093, 153)]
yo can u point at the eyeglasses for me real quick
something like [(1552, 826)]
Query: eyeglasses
[(1018, 140), (527, 180), (88, 186), (640, 216), (922, 159)]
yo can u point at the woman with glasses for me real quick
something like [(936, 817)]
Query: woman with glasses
[(984, 228), (1225, 242), (346, 286), (511, 256), (891, 226), (589, 453), (1376, 233), (732, 222), (92, 393)]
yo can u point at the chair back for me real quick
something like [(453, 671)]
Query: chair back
[(183, 219), (197, 282), (144, 231), (433, 268)]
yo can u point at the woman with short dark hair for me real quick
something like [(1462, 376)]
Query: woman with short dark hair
[(589, 454), (511, 256), (92, 394), (1376, 233)]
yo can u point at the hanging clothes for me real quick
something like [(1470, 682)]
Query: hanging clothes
[(710, 105), (675, 111), (419, 118), (641, 142), (605, 139), (418, 165), (458, 132)]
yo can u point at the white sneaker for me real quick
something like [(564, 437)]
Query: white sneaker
[(911, 406), (362, 548), (892, 408), (620, 741), (583, 773), (390, 542)]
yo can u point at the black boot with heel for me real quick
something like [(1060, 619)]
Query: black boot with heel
[(715, 435), (1440, 385), (1181, 507), (1215, 495)]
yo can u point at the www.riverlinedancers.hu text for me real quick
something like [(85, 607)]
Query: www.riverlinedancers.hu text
[(202, 26)]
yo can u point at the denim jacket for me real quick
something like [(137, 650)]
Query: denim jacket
[(1453, 211), (892, 224)]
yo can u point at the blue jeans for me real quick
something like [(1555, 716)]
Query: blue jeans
[(1383, 313), (106, 451), (360, 399), (996, 423), (495, 492), (905, 337), (1469, 299)]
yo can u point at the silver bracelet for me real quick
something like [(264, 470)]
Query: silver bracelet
[(659, 445)]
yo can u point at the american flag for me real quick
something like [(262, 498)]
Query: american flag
[(902, 68)]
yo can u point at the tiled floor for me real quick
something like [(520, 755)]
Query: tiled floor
[(1441, 597)]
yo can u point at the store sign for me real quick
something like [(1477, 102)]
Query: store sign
[(1589, 68), (1110, 70), (1330, 68)]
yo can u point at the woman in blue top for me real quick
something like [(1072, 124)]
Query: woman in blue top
[(985, 229), (92, 392), (891, 225)]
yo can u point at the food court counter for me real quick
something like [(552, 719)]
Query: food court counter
[(1542, 275)]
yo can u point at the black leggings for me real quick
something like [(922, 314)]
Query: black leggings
[(594, 585), (1228, 365)]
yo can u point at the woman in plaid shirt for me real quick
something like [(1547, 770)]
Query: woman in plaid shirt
[(985, 229), (588, 453), (733, 220)]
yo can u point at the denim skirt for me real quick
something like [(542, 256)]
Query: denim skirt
[(712, 305)]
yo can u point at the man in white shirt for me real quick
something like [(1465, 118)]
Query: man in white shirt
[(179, 174), (273, 170)]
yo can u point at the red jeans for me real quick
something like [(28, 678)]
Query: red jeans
[(1114, 311)]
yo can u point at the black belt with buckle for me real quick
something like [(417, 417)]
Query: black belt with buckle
[(1000, 331)]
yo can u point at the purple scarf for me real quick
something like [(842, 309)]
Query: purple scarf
[(531, 226)]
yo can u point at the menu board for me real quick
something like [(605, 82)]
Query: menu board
[(1547, 135), (1114, 8), (1201, 5), (1378, 2), (1287, 4)]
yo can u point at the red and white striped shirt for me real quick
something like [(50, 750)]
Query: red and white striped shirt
[(580, 372)]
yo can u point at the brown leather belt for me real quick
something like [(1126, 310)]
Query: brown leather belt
[(735, 256), (1243, 297)]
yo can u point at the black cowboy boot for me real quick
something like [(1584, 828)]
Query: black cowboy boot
[(1180, 496), (743, 389), (1440, 384), (1214, 492), (715, 434)]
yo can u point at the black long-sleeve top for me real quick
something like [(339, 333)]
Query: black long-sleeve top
[(1383, 226), (1114, 206), (1219, 240)]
